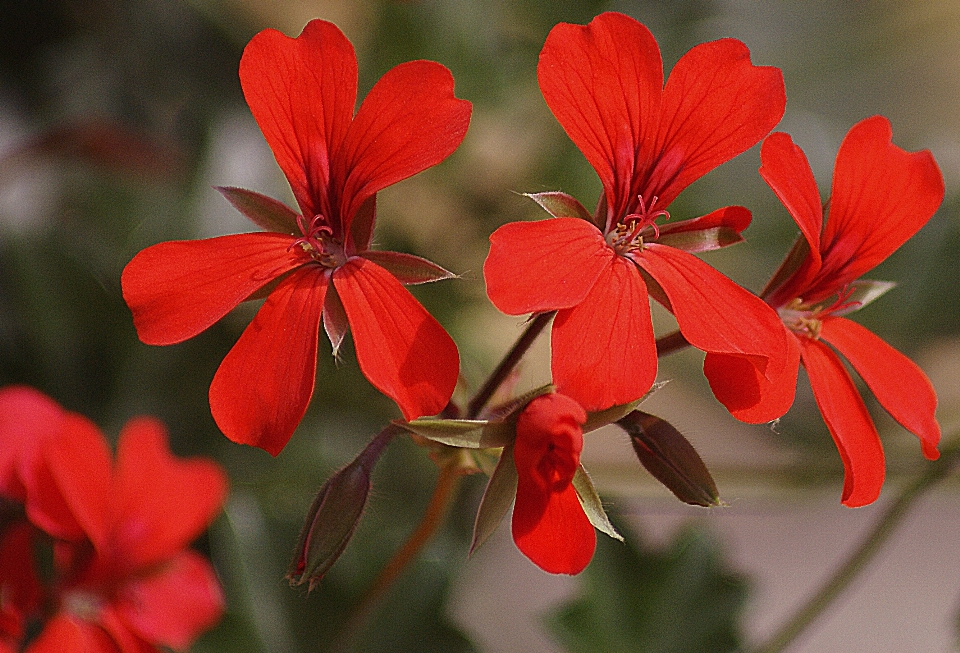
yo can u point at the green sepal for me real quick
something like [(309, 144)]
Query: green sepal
[(671, 459), (466, 433), (863, 292), (614, 413), (497, 498), (266, 212), (560, 205), (700, 240), (407, 268), (510, 408), (592, 505)]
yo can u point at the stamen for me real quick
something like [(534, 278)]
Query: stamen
[(841, 304), (318, 241), (808, 320), (628, 234)]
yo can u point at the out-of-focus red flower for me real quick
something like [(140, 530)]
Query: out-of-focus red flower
[(881, 196), (318, 264), (647, 142), (124, 578), (549, 524)]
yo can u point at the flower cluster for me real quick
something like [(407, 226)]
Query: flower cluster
[(593, 274), (122, 576)]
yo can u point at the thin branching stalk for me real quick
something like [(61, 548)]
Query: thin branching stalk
[(861, 557), (433, 516), (499, 375)]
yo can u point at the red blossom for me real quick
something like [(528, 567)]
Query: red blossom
[(123, 577), (647, 142), (881, 196), (549, 525), (317, 265)]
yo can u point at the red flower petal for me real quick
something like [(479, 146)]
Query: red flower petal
[(67, 634), (19, 584), (713, 312), (543, 266), (604, 82), (264, 384), (177, 289), (402, 350), (716, 105), (409, 122), (68, 494), (162, 503), (174, 606), (553, 531), (881, 197), (848, 421), (750, 396), (786, 170), (302, 93), (603, 349), (731, 218), (898, 384), (27, 418), (549, 525)]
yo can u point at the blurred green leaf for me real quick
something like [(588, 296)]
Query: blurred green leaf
[(635, 599)]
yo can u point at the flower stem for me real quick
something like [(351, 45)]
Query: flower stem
[(861, 556), (440, 501), (534, 327)]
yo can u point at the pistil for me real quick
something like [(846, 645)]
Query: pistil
[(318, 241), (628, 235)]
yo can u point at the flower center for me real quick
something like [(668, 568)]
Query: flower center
[(629, 233), (807, 319), (318, 241)]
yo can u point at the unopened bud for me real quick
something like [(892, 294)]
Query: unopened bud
[(670, 458), (335, 514)]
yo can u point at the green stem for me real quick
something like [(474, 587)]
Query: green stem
[(666, 345), (861, 556)]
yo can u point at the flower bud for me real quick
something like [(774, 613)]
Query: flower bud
[(670, 458), (335, 514)]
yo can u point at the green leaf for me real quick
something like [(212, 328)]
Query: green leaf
[(560, 205), (671, 459), (592, 505), (266, 212), (467, 433), (500, 493), (635, 599), (407, 268)]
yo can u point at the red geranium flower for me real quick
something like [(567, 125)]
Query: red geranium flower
[(123, 577), (549, 524), (881, 196), (647, 142), (302, 93)]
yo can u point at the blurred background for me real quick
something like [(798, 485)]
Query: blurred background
[(118, 116)]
